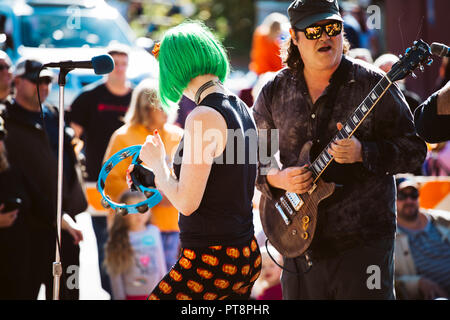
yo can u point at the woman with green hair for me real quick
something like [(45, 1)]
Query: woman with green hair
[(209, 186)]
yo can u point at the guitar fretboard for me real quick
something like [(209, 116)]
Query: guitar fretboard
[(322, 161)]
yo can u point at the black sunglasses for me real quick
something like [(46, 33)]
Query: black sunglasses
[(414, 194), (314, 32)]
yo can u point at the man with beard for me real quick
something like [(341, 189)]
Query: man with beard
[(308, 101), (422, 247)]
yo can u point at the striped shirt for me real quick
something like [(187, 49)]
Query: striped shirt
[(431, 254)]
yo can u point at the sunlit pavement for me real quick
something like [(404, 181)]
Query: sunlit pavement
[(89, 281), (90, 287)]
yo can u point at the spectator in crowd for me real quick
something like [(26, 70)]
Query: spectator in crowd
[(134, 256), (361, 53), (268, 285), (33, 136), (95, 114), (422, 247), (437, 162), (7, 216), (15, 252), (143, 117), (5, 76), (265, 52), (385, 63), (351, 25)]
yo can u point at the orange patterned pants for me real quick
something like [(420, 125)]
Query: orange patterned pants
[(216, 272)]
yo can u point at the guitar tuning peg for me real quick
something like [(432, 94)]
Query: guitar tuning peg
[(430, 61), (421, 68), (413, 75)]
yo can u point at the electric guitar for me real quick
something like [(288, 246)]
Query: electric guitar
[(290, 222)]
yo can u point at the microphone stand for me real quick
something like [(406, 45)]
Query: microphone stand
[(57, 267)]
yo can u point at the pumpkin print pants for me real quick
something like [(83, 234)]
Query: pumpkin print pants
[(209, 273)]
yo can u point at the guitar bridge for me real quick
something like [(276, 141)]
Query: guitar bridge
[(295, 200), (283, 215)]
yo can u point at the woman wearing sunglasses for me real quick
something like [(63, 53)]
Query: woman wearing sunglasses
[(308, 101)]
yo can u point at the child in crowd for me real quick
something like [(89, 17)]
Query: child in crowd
[(134, 254), (268, 286)]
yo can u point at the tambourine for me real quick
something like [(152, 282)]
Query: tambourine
[(153, 195)]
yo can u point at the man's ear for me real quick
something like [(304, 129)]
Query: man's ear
[(293, 34)]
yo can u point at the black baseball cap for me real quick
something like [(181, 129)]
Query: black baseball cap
[(303, 13), (29, 69)]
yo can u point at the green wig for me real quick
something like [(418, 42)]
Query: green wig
[(187, 51)]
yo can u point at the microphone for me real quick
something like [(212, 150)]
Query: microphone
[(101, 64), (440, 49)]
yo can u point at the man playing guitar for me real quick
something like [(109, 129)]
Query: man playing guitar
[(309, 101)]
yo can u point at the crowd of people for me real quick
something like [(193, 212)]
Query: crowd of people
[(199, 241)]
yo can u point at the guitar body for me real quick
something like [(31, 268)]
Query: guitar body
[(293, 239)]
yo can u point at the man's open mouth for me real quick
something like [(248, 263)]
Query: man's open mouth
[(325, 49)]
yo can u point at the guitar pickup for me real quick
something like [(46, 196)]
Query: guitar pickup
[(295, 200), (286, 206), (283, 215)]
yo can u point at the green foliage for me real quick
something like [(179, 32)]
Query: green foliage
[(231, 20)]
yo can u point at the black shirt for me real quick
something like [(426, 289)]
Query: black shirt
[(225, 215), (100, 113), (431, 126)]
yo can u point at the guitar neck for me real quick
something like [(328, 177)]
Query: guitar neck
[(322, 161)]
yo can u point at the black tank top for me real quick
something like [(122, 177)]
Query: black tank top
[(225, 215)]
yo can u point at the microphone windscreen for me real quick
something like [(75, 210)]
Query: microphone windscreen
[(439, 49), (102, 64)]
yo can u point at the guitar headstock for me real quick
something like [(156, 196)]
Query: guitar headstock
[(415, 56)]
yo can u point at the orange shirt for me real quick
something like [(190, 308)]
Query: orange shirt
[(265, 53), (164, 217)]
